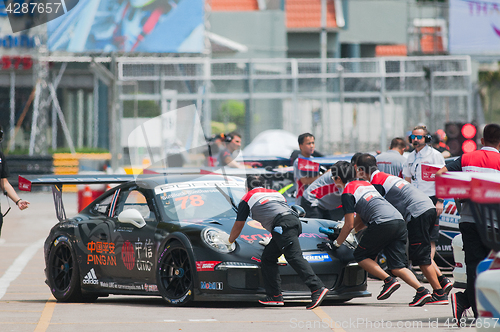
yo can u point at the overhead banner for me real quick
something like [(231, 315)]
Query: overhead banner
[(151, 26), (474, 27)]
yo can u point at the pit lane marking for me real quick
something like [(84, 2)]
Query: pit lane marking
[(325, 318), (48, 310), (19, 264)]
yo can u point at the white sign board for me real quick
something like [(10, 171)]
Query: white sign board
[(475, 27)]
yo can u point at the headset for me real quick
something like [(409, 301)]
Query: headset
[(427, 137), (227, 138)]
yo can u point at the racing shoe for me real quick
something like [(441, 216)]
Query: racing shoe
[(459, 303), (421, 297), (274, 300), (438, 297), (391, 285), (317, 297), (445, 283)]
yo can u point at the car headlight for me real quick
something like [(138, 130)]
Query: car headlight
[(217, 240)]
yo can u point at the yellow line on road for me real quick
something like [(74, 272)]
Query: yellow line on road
[(327, 320), (46, 316)]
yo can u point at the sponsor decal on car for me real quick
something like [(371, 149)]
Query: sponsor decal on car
[(317, 258), (197, 184), (258, 237), (206, 265), (143, 251), (90, 278), (128, 256), (255, 224), (101, 253), (179, 300), (114, 285), (311, 258), (150, 288), (216, 285), (59, 239)]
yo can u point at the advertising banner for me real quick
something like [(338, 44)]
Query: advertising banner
[(151, 26), (475, 27)]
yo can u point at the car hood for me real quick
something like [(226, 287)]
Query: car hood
[(253, 231)]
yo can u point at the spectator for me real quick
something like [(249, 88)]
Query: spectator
[(440, 146), (392, 161), (303, 178), (233, 143)]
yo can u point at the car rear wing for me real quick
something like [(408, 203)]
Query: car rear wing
[(26, 183)]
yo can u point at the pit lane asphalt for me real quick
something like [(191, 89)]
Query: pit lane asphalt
[(26, 303)]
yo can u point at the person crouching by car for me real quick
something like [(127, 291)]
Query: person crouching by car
[(385, 230), (270, 208)]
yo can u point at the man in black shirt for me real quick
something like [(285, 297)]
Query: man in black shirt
[(6, 187), (270, 208)]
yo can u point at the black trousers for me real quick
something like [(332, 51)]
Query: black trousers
[(285, 240), (1, 222), (475, 252), (312, 211)]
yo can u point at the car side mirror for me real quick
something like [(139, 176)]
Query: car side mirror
[(299, 210), (132, 216)]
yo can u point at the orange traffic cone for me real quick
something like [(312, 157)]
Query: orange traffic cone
[(86, 197)]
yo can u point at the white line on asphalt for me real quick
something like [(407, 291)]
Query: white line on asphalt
[(2, 241), (17, 267), (203, 320), (170, 320)]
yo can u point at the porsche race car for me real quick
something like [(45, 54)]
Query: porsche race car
[(162, 235)]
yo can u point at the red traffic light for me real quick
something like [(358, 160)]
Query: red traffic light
[(469, 131), (469, 146)]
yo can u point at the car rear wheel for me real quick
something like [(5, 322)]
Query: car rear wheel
[(175, 275), (63, 272)]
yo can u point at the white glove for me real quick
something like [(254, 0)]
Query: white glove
[(265, 241), (225, 239)]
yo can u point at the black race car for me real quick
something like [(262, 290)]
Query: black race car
[(162, 235)]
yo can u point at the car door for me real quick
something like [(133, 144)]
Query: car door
[(97, 240), (134, 246)]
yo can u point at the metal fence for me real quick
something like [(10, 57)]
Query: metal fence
[(349, 104)]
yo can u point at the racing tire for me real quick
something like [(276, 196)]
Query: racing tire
[(174, 275), (64, 274)]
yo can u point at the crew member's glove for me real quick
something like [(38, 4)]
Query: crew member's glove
[(322, 170), (325, 246), (225, 239), (265, 241), (332, 232)]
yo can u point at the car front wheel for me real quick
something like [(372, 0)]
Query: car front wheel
[(175, 275)]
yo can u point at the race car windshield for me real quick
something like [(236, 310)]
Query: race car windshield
[(200, 203)]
